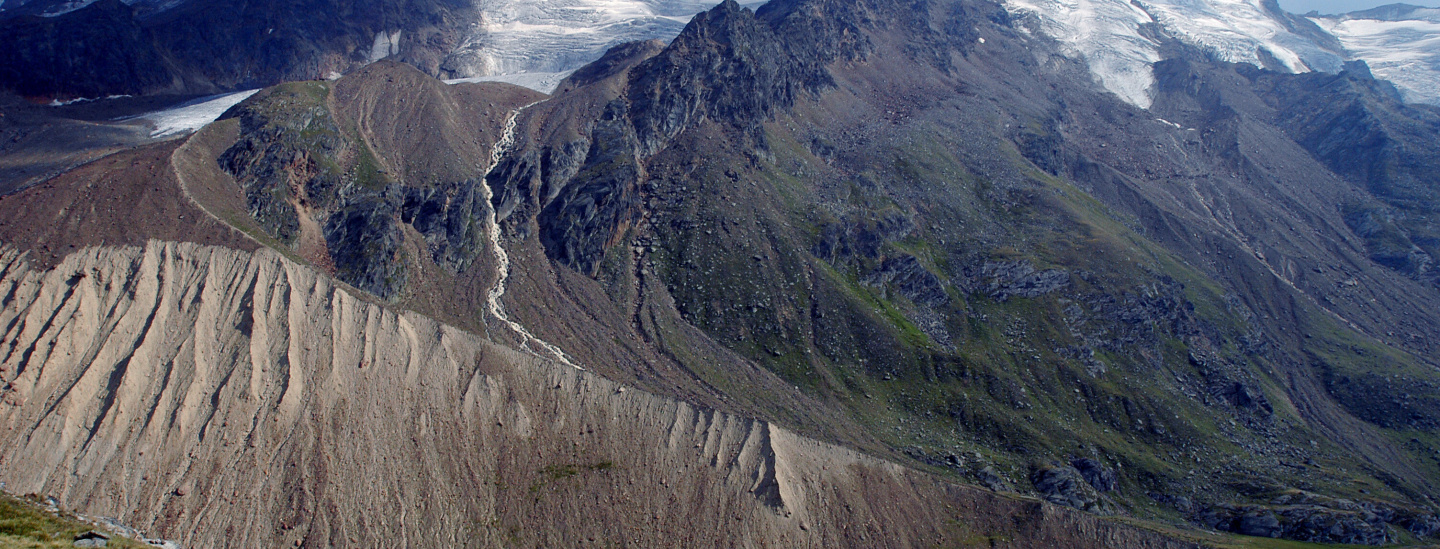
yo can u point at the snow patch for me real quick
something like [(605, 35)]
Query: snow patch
[(385, 45), (1106, 33)]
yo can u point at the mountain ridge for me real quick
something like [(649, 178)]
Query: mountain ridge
[(918, 230)]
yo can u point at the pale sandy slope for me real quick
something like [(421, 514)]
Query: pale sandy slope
[(235, 399)]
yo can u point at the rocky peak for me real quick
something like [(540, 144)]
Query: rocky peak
[(738, 67)]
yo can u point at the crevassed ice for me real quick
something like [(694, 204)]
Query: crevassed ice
[(1107, 34), (554, 36), (1405, 51)]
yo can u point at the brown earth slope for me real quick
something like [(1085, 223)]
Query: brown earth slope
[(236, 399)]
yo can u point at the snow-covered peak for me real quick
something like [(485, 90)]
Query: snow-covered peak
[(1400, 43), (1118, 37)]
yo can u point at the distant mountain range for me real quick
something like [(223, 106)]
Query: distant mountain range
[(152, 46)]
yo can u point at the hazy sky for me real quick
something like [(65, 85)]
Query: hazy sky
[(1342, 6)]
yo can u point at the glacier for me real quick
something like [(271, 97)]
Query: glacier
[(192, 115), (554, 36), (515, 36), (1118, 38), (1400, 43)]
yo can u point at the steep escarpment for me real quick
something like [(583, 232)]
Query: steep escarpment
[(225, 398)]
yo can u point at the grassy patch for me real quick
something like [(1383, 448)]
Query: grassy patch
[(25, 524), (551, 474)]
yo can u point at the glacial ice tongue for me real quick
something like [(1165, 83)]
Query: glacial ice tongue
[(193, 115)]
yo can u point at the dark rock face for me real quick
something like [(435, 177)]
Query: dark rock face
[(992, 479), (1100, 477), (1226, 382), (1422, 525), (1262, 524), (204, 46), (99, 50), (1360, 128), (1064, 485), (599, 202), (448, 216), (366, 244), (737, 67), (862, 235)]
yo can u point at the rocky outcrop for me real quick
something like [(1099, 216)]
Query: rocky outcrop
[(911, 279), (1097, 475), (861, 235), (1002, 280), (600, 201), (1306, 516), (1310, 523), (1064, 485), (353, 164), (736, 67)]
